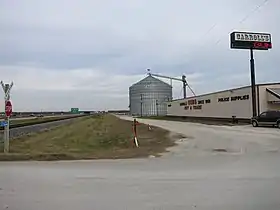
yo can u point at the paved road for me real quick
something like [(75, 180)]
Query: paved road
[(191, 176)]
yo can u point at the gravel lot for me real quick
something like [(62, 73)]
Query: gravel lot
[(203, 139), (191, 176)]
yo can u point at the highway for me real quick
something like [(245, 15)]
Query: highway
[(30, 117), (191, 176), (23, 118), (16, 132)]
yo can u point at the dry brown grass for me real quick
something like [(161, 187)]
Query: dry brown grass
[(94, 137)]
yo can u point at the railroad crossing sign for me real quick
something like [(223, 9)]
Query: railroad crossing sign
[(7, 89), (8, 108)]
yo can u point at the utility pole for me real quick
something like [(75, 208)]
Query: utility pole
[(8, 111), (157, 106), (141, 98), (184, 86)]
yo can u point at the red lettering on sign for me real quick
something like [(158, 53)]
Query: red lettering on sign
[(192, 102), (263, 45)]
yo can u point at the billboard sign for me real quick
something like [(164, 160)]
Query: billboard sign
[(249, 40)]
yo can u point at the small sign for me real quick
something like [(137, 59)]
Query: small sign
[(3, 123), (8, 108), (249, 40), (75, 110)]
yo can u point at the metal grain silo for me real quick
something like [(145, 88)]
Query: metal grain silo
[(148, 97)]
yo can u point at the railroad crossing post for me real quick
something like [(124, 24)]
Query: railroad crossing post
[(7, 89)]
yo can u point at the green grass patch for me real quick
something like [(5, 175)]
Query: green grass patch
[(92, 137)]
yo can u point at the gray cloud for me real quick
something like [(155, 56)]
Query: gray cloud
[(64, 100), (112, 43), (58, 60)]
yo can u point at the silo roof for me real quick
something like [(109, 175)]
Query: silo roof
[(150, 78)]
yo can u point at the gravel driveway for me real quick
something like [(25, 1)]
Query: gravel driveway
[(204, 139)]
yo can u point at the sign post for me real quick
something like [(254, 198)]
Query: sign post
[(8, 111), (253, 83), (251, 41), (135, 123)]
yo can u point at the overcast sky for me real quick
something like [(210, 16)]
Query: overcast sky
[(86, 53)]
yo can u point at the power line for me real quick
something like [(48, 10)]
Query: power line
[(208, 31), (244, 19), (253, 11), (241, 21), (256, 8)]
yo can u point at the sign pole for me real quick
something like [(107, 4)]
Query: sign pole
[(253, 82), (6, 130), (7, 136), (8, 111), (251, 41)]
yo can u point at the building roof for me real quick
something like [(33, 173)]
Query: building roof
[(150, 79), (261, 84)]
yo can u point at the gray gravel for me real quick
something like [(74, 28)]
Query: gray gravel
[(191, 176), (203, 139)]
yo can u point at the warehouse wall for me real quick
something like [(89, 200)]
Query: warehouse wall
[(224, 104), (264, 106)]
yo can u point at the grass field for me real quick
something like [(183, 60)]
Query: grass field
[(92, 137)]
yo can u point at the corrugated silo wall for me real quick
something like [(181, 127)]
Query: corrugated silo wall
[(148, 97)]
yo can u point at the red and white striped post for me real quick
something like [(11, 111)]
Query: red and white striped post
[(135, 123)]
